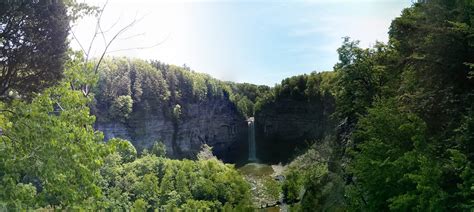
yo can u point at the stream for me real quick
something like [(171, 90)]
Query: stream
[(262, 176)]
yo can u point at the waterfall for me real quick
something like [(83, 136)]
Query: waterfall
[(251, 134)]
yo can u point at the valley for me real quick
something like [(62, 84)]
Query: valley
[(390, 127)]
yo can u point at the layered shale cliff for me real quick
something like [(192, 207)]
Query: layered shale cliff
[(152, 102), (214, 122), (148, 102), (296, 115)]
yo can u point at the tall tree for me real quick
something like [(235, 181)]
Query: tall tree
[(33, 42), (435, 40)]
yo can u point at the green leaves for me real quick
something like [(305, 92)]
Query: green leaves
[(121, 108), (158, 149), (399, 167), (33, 46), (362, 75), (156, 182), (52, 145)]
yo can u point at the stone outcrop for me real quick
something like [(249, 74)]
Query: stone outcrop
[(214, 122), (286, 125)]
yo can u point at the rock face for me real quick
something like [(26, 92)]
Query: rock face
[(214, 122), (286, 125)]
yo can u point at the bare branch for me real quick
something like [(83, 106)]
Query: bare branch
[(113, 25), (142, 47), (124, 29), (59, 105), (103, 35), (132, 36), (107, 43), (96, 29), (77, 40)]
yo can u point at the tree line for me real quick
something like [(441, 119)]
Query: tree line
[(51, 157), (405, 111)]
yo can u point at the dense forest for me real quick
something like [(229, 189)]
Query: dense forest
[(391, 128), (404, 109)]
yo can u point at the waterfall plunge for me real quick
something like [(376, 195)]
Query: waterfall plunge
[(251, 134)]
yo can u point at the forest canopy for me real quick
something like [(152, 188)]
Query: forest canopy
[(403, 139), (405, 111)]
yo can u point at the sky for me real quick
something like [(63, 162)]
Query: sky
[(260, 42)]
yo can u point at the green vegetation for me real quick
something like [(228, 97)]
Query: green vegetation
[(50, 154), (132, 88), (308, 88), (32, 57), (157, 182), (265, 189), (51, 157), (404, 142)]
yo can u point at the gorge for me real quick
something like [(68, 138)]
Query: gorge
[(153, 102), (390, 128)]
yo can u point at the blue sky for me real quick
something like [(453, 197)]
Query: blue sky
[(259, 42)]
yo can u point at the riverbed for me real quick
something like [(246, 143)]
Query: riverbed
[(265, 181)]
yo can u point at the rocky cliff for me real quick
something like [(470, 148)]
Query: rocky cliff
[(148, 102), (286, 126), (298, 114), (215, 122)]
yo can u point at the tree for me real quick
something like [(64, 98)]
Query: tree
[(205, 153), (158, 149), (32, 45), (122, 108), (125, 148), (394, 166), (360, 79), (435, 42), (245, 106), (51, 145)]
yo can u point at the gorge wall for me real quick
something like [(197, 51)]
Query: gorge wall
[(148, 102), (286, 126), (297, 115), (216, 123)]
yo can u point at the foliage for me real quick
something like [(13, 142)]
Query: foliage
[(155, 87), (205, 153), (312, 88), (79, 72), (158, 149), (51, 156), (32, 46), (392, 153), (124, 148), (156, 182), (50, 149), (404, 142), (435, 40), (310, 184), (405, 114), (272, 188), (362, 75), (121, 108), (177, 112), (293, 187), (407, 151)]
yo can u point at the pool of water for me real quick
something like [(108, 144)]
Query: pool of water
[(256, 169)]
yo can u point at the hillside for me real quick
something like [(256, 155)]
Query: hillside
[(390, 128)]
